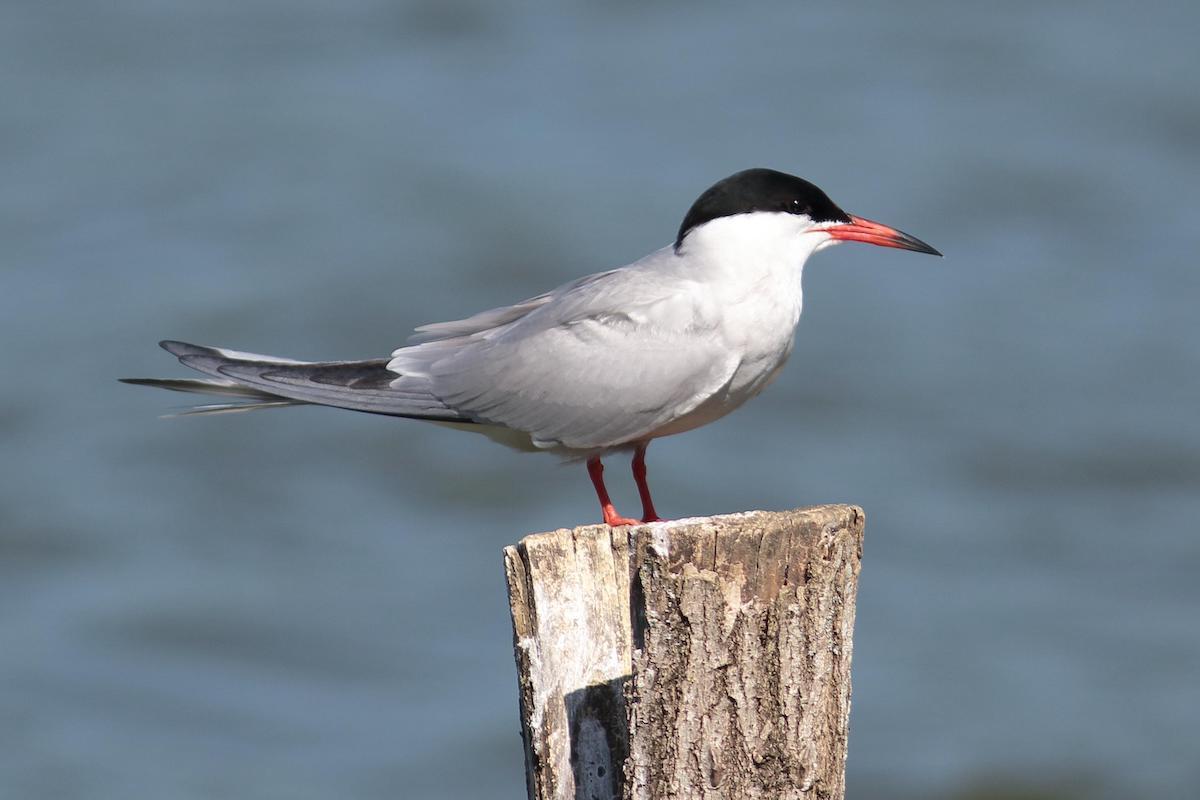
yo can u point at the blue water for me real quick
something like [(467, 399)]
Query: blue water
[(309, 604)]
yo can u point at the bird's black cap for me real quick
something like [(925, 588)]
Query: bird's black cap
[(760, 190)]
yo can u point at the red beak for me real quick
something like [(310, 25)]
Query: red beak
[(859, 229)]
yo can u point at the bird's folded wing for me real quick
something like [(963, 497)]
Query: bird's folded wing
[(586, 385), (495, 318), (603, 364), (355, 385)]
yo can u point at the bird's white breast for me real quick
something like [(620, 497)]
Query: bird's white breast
[(749, 268)]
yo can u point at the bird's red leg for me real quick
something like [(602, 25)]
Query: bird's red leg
[(611, 517), (639, 475)]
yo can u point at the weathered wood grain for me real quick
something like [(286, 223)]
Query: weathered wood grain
[(702, 658)]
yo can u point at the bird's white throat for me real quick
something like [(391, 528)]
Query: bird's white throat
[(755, 246)]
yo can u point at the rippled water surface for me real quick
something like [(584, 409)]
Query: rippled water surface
[(309, 604)]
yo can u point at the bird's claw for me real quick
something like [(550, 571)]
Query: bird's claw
[(613, 519)]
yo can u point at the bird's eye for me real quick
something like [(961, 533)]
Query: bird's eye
[(798, 207)]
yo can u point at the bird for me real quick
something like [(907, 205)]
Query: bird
[(604, 364)]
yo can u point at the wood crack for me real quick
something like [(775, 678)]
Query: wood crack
[(699, 659)]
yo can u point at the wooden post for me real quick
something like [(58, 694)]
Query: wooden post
[(702, 658)]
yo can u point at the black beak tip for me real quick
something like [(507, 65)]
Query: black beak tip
[(917, 246)]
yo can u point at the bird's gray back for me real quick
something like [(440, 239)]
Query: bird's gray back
[(603, 361)]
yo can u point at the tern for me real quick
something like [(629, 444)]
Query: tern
[(606, 363)]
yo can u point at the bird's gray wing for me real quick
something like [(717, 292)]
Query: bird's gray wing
[(598, 364), (495, 318), (269, 381)]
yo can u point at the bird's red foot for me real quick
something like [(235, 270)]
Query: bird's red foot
[(653, 518), (611, 517)]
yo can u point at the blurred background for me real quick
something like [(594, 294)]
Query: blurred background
[(310, 604)]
